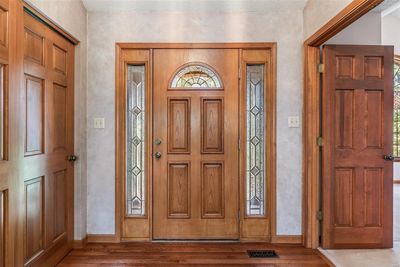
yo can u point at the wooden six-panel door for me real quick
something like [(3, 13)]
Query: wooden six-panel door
[(47, 127), (357, 131), (195, 147)]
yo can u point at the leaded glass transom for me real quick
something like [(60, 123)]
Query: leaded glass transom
[(196, 76), (396, 110), (135, 152), (255, 173)]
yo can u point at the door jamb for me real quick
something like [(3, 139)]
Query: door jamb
[(119, 86), (311, 114)]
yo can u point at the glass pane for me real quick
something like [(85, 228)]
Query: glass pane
[(135, 148), (196, 76), (396, 111), (255, 173)]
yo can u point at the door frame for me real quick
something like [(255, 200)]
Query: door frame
[(312, 114), (120, 127)]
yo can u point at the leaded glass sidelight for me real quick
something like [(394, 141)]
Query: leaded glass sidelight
[(135, 138), (196, 76), (255, 172), (396, 110)]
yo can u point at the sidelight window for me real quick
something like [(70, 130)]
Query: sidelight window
[(135, 151), (255, 143), (196, 75), (396, 111)]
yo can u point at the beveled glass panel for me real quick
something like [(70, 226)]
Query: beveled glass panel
[(135, 138), (196, 76), (255, 172), (396, 110)]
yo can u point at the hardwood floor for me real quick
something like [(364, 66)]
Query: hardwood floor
[(189, 254)]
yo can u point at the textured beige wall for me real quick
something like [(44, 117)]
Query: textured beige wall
[(72, 16), (105, 29), (318, 12)]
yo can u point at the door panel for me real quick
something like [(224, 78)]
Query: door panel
[(196, 178), (357, 131)]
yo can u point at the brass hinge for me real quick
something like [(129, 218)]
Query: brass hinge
[(321, 68), (320, 141), (320, 215)]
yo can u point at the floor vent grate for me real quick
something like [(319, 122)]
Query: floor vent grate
[(262, 254)]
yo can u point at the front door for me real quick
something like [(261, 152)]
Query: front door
[(357, 130), (195, 144)]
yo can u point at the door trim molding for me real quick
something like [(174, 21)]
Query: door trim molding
[(120, 125), (311, 114)]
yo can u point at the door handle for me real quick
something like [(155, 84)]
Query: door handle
[(72, 158), (388, 157), (158, 155)]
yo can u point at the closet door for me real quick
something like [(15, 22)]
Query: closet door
[(47, 130)]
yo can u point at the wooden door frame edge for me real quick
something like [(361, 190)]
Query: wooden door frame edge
[(311, 114), (119, 47)]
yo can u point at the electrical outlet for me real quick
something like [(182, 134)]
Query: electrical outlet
[(99, 123), (293, 122)]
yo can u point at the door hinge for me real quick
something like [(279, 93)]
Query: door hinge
[(239, 144), (320, 215), (321, 68), (238, 215), (320, 141)]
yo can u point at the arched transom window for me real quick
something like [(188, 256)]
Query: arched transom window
[(196, 75)]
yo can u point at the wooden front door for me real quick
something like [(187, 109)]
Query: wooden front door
[(195, 146), (47, 127), (357, 131)]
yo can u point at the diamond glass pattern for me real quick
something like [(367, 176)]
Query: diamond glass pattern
[(255, 180), (196, 75), (396, 110), (135, 132)]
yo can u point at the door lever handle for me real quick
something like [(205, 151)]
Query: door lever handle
[(388, 157)]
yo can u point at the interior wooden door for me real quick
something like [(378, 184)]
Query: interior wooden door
[(357, 131), (48, 126), (195, 144)]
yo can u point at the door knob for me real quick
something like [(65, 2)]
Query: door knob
[(157, 155), (72, 158), (388, 157)]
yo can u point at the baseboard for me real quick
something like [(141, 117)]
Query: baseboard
[(323, 256), (77, 244), (287, 239), (101, 238)]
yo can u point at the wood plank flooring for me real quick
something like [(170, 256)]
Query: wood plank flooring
[(189, 254)]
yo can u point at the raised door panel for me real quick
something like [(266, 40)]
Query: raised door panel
[(179, 190), (212, 190), (34, 47), (2, 228), (60, 117), (59, 60), (343, 200), (373, 67), (33, 234), (344, 119), (3, 27), (374, 121), (34, 116), (178, 125), (212, 125), (373, 190)]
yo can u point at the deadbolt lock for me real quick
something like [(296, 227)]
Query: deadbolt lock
[(157, 141)]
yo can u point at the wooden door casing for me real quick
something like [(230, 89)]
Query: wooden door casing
[(357, 131)]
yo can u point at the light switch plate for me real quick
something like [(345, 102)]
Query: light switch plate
[(99, 123), (293, 122)]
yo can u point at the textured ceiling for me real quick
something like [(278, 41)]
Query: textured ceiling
[(192, 5)]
